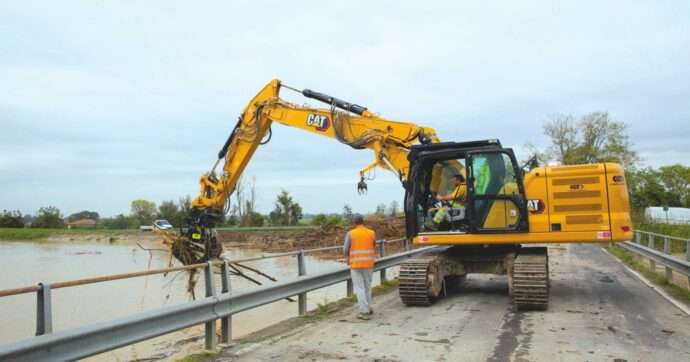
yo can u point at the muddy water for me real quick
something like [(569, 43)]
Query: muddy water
[(27, 263)]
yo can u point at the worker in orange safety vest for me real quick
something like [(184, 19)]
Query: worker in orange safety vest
[(359, 251)]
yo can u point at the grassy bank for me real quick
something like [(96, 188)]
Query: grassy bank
[(679, 231), (642, 223), (36, 234), (659, 279)]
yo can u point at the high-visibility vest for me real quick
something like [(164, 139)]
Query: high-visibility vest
[(361, 248)]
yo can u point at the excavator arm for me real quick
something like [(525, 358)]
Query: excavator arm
[(349, 123)]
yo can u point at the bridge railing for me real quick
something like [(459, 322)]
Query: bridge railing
[(659, 248), (96, 338)]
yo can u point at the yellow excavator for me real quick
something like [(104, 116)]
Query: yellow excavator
[(507, 206)]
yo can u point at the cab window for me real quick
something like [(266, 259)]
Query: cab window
[(495, 190)]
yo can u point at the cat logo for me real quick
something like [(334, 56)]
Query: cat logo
[(577, 187), (535, 206), (321, 123)]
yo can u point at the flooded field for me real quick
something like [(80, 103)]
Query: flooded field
[(27, 263)]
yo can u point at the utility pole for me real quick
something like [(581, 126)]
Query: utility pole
[(666, 210)]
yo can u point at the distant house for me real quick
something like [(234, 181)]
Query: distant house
[(672, 215), (83, 224)]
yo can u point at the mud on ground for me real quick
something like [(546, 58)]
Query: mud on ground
[(385, 228)]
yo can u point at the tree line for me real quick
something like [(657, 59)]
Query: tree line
[(595, 137)]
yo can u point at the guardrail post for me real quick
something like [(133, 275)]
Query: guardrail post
[(650, 244), (407, 244), (350, 288), (44, 310), (302, 297), (383, 253), (638, 236), (210, 326), (225, 322), (667, 250)]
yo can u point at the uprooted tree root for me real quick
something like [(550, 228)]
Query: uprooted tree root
[(188, 253)]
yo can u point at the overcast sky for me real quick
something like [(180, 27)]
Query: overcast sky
[(103, 102)]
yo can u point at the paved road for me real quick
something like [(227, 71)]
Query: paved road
[(598, 312)]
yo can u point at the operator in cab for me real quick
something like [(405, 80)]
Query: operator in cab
[(457, 197), (459, 194)]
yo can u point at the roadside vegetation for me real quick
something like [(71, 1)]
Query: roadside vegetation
[(37, 234), (642, 223), (645, 224)]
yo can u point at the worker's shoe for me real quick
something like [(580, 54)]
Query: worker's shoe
[(371, 312), (364, 316)]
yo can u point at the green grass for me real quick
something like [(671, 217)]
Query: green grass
[(679, 231), (35, 234), (659, 279), (642, 223)]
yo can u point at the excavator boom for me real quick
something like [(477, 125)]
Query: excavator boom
[(349, 123)]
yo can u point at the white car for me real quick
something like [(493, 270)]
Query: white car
[(163, 225)]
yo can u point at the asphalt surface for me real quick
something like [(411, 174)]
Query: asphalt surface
[(598, 311)]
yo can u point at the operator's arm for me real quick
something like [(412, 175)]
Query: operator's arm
[(459, 193)]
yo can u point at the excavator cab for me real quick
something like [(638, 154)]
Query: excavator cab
[(495, 201)]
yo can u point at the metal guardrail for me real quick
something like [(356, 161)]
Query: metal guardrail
[(671, 263), (92, 339)]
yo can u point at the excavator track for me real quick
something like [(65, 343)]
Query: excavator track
[(531, 279), (422, 277), (414, 280)]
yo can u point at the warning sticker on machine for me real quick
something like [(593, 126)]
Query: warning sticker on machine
[(423, 239), (604, 235)]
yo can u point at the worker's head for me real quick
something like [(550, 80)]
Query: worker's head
[(358, 220), (458, 179)]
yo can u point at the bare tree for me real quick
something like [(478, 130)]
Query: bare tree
[(594, 138), (561, 129), (245, 201), (543, 156), (393, 208)]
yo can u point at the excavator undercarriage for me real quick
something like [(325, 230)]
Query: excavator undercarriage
[(424, 278)]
